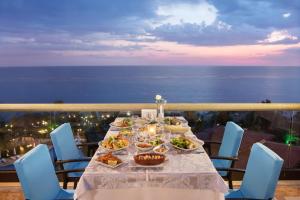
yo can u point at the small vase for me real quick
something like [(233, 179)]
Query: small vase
[(160, 112)]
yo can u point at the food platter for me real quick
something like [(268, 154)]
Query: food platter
[(122, 123), (184, 143), (126, 132), (114, 143), (177, 129), (133, 164), (175, 121), (109, 160), (149, 159)]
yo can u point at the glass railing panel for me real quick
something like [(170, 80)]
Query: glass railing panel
[(279, 130)]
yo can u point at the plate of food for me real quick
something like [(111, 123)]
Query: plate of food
[(185, 143), (114, 143), (122, 123), (174, 121), (177, 129), (143, 146), (140, 122), (109, 160), (142, 138), (126, 132), (162, 149), (149, 159)]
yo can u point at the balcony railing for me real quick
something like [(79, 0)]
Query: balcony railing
[(139, 106), (275, 124)]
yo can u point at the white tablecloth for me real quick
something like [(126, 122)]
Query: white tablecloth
[(182, 176)]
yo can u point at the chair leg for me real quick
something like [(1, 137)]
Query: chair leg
[(229, 176), (89, 151), (65, 185), (209, 150), (230, 183), (75, 184)]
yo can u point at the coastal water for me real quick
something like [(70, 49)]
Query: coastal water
[(141, 83)]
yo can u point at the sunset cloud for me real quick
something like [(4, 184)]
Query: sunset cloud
[(198, 32), (278, 36)]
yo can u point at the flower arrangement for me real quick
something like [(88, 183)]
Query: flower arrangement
[(160, 106), (160, 100)]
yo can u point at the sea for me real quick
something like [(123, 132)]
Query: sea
[(139, 84)]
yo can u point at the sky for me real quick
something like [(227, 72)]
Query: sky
[(150, 32)]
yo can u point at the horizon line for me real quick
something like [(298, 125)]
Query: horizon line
[(136, 65)]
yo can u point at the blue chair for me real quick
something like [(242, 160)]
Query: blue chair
[(36, 173), (261, 175), (228, 150), (69, 156)]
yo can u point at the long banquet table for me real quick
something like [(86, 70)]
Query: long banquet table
[(182, 176)]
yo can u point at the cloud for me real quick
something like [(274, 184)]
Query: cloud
[(286, 15), (16, 40), (126, 28), (261, 14), (80, 16), (217, 34), (279, 36), (179, 13)]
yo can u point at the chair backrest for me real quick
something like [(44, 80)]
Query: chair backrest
[(36, 173), (262, 173), (64, 144), (231, 142)]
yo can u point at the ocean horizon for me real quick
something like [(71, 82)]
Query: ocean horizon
[(139, 84)]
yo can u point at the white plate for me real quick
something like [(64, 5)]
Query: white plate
[(111, 150), (116, 126), (142, 149), (110, 166), (154, 149), (197, 142), (181, 120)]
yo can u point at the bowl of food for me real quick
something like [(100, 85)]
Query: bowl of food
[(185, 143), (114, 143), (143, 146), (156, 141), (109, 160), (161, 149), (149, 159)]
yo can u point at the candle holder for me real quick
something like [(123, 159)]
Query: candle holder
[(151, 129)]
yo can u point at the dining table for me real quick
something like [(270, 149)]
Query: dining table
[(183, 176)]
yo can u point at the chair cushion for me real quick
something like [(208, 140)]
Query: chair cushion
[(37, 175), (64, 144), (231, 141), (234, 194), (262, 173), (76, 165), (65, 194), (233, 135)]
